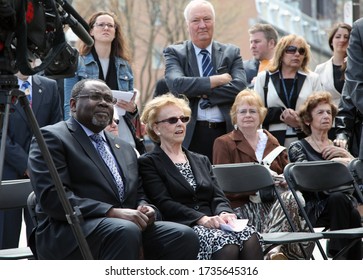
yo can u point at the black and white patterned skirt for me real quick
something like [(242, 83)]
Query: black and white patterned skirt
[(211, 240)]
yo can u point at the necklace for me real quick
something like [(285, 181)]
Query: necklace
[(316, 144), (185, 157)]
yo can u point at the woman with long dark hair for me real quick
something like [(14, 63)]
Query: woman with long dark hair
[(109, 60)]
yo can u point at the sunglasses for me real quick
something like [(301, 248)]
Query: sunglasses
[(174, 120), (293, 50)]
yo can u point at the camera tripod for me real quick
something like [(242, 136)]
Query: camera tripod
[(9, 94)]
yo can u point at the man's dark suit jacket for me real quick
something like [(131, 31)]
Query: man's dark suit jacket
[(183, 77), (251, 67), (172, 194), (86, 180), (353, 85), (47, 110)]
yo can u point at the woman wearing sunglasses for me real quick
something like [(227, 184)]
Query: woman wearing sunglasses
[(182, 185), (285, 87)]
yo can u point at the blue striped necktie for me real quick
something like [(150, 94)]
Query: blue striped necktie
[(110, 162), (207, 65), (25, 87), (208, 70)]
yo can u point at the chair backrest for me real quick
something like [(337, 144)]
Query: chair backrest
[(14, 193), (32, 202), (322, 176), (355, 167), (317, 176), (250, 177), (242, 177)]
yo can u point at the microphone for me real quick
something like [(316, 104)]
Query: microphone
[(74, 24), (70, 10)]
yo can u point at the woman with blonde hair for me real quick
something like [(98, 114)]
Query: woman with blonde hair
[(285, 87), (183, 187), (249, 143)]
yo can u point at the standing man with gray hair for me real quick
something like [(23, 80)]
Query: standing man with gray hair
[(209, 73), (263, 40)]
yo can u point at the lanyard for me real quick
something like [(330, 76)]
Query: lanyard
[(288, 96)]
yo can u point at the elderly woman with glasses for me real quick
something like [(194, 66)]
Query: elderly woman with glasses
[(182, 185), (249, 143), (285, 86)]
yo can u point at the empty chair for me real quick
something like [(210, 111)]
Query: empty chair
[(325, 184), (355, 167), (14, 194), (252, 177)]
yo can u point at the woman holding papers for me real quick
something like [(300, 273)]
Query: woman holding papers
[(182, 185), (108, 59)]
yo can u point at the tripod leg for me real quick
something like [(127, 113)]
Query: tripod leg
[(4, 126)]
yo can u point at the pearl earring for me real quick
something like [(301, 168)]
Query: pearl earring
[(158, 133)]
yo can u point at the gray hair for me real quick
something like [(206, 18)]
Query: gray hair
[(194, 3)]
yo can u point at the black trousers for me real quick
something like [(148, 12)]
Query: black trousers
[(339, 213), (118, 239), (10, 227), (204, 136)]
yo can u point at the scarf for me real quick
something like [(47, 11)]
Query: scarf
[(111, 77)]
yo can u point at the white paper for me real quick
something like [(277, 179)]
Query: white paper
[(122, 95), (238, 225)]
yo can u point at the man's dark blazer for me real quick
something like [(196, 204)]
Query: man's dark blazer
[(251, 67), (353, 85), (47, 110), (86, 180), (183, 77), (172, 194)]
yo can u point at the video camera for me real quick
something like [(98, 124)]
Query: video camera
[(33, 29)]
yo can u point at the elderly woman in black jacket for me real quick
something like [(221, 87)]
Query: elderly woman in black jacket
[(182, 185), (337, 210)]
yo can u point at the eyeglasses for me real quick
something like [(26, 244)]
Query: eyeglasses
[(174, 120), (293, 50), (98, 97), (102, 25)]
